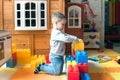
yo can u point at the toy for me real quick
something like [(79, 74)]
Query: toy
[(38, 59), (77, 46), (83, 67), (47, 59), (80, 66), (73, 72), (23, 56), (69, 57), (73, 62), (11, 63), (81, 57), (100, 58), (13, 60), (85, 76), (75, 69)]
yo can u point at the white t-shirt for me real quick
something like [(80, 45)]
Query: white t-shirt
[(58, 40)]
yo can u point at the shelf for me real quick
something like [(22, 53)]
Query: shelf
[(92, 39)]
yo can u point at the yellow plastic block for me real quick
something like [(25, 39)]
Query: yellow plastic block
[(36, 60), (69, 63), (13, 48), (74, 62), (33, 65), (23, 56), (78, 45)]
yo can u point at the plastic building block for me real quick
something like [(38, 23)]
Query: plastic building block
[(73, 73), (47, 59), (34, 57), (70, 57), (78, 45), (14, 62), (14, 55), (81, 57), (42, 58), (85, 76), (11, 63), (83, 67), (67, 58), (69, 63), (74, 62), (33, 65), (14, 48), (38, 59), (23, 56)]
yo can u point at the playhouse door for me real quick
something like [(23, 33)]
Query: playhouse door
[(73, 13)]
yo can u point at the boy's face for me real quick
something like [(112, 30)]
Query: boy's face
[(60, 24)]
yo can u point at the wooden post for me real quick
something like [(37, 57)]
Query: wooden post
[(1, 14)]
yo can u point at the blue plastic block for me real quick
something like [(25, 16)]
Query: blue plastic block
[(81, 57), (71, 58), (82, 77), (14, 62), (67, 58), (84, 0), (85, 76), (9, 63)]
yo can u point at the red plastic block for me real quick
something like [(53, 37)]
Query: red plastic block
[(73, 72), (83, 67), (47, 59), (14, 55)]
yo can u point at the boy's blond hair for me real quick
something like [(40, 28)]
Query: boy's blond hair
[(57, 16)]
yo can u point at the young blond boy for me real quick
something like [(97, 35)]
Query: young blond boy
[(57, 45)]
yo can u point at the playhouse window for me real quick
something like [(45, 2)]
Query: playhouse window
[(74, 17), (30, 15)]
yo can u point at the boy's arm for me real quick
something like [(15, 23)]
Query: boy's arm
[(65, 37)]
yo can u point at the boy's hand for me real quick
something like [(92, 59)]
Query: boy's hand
[(80, 40)]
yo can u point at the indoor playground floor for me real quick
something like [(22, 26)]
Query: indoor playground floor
[(109, 70)]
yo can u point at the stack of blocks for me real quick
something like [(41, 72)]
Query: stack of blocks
[(38, 59), (77, 46), (78, 71), (24, 56), (13, 60)]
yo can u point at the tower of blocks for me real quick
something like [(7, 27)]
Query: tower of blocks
[(24, 56), (38, 59), (13, 60), (77, 64)]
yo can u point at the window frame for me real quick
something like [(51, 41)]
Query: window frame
[(74, 7), (37, 10)]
